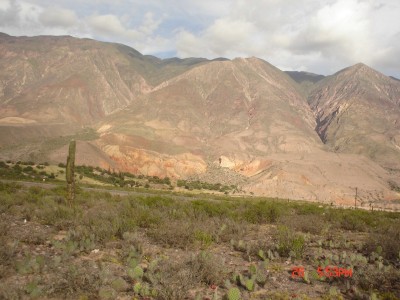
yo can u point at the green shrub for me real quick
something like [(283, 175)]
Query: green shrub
[(204, 238), (17, 168), (308, 224), (10, 188), (78, 280), (146, 218), (262, 212), (7, 251), (177, 234), (60, 216), (211, 209), (388, 241), (353, 223), (206, 268), (155, 201), (33, 289), (290, 243), (173, 279)]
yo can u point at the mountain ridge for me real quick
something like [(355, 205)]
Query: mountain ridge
[(359, 101), (195, 118)]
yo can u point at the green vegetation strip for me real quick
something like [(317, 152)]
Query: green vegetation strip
[(304, 233)]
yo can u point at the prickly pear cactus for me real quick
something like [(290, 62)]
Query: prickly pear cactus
[(253, 269), (249, 284), (242, 280), (233, 294), (136, 273), (261, 254), (261, 278), (137, 288), (241, 246)]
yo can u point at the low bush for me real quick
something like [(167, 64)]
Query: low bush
[(176, 234), (388, 241), (353, 223), (74, 281), (60, 216), (262, 212), (130, 232), (289, 244), (7, 251), (173, 279), (211, 209), (206, 268), (305, 223), (9, 188)]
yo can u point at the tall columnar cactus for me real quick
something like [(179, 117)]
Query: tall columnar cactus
[(70, 172)]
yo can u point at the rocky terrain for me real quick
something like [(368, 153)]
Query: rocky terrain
[(357, 111), (287, 135)]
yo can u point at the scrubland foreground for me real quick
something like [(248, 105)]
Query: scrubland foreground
[(215, 247)]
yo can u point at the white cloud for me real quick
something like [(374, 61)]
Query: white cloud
[(18, 14), (189, 45), (9, 13), (317, 35), (321, 36), (111, 26), (337, 30), (225, 37), (149, 24), (227, 33), (58, 17)]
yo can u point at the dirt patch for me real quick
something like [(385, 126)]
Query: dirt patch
[(16, 121)]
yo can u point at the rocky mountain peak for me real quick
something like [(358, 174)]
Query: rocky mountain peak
[(197, 117), (357, 110), (360, 71)]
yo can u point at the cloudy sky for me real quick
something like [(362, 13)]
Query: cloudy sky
[(321, 36)]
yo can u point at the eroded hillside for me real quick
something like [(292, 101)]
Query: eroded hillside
[(201, 119)]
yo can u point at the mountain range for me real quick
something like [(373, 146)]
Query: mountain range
[(293, 135)]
